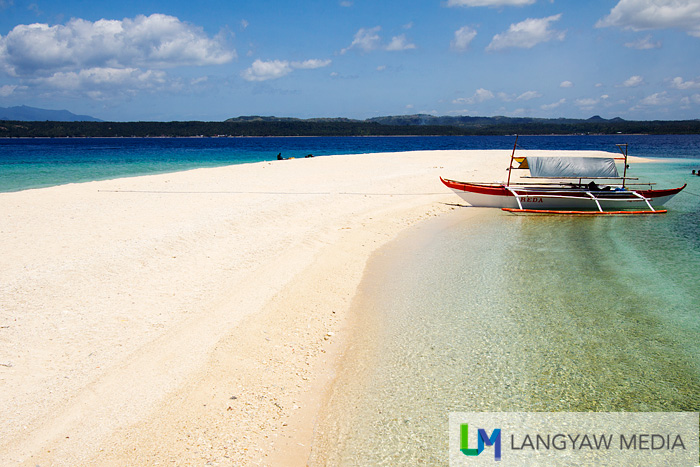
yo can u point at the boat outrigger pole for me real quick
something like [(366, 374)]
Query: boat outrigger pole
[(510, 166), (624, 153), (560, 194)]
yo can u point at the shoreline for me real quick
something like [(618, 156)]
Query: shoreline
[(206, 294), (367, 339), (490, 313)]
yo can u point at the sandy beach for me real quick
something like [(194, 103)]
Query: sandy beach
[(196, 317)]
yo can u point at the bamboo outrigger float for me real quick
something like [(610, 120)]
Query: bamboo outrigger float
[(571, 189)]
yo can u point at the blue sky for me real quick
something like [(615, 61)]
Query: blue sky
[(213, 59)]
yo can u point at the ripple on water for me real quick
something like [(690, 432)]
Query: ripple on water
[(512, 313)]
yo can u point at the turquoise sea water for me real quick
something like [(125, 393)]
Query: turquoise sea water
[(34, 163), (499, 312)]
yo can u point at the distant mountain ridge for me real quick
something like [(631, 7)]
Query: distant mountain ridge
[(413, 125), (467, 121), (431, 120), (29, 114), (32, 114), (267, 119)]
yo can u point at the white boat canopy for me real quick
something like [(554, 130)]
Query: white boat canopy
[(572, 167)]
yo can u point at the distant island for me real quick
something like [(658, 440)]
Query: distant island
[(25, 113), (400, 125)]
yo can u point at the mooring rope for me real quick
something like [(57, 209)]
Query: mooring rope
[(269, 193), (690, 193)]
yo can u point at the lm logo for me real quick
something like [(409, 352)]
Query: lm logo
[(484, 439)]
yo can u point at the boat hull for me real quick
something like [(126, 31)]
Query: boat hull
[(543, 198)]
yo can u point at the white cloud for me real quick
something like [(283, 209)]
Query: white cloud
[(678, 83), (311, 64), (527, 34), (656, 99), (632, 81), (99, 83), (480, 95), (456, 112), (365, 39), (273, 69), (553, 105), (463, 37), (491, 3), (399, 43), (639, 15), (368, 39), (156, 41), (644, 43), (7, 90), (262, 71), (687, 101), (346, 4), (526, 96), (566, 84)]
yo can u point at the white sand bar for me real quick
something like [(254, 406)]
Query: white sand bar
[(193, 317)]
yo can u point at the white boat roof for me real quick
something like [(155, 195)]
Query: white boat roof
[(572, 167)]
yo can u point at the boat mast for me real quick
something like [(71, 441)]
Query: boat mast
[(624, 153), (510, 166)]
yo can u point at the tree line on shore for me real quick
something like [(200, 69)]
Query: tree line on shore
[(385, 126)]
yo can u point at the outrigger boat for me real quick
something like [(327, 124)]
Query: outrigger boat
[(571, 188)]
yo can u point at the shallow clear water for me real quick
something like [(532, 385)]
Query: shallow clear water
[(519, 313)]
